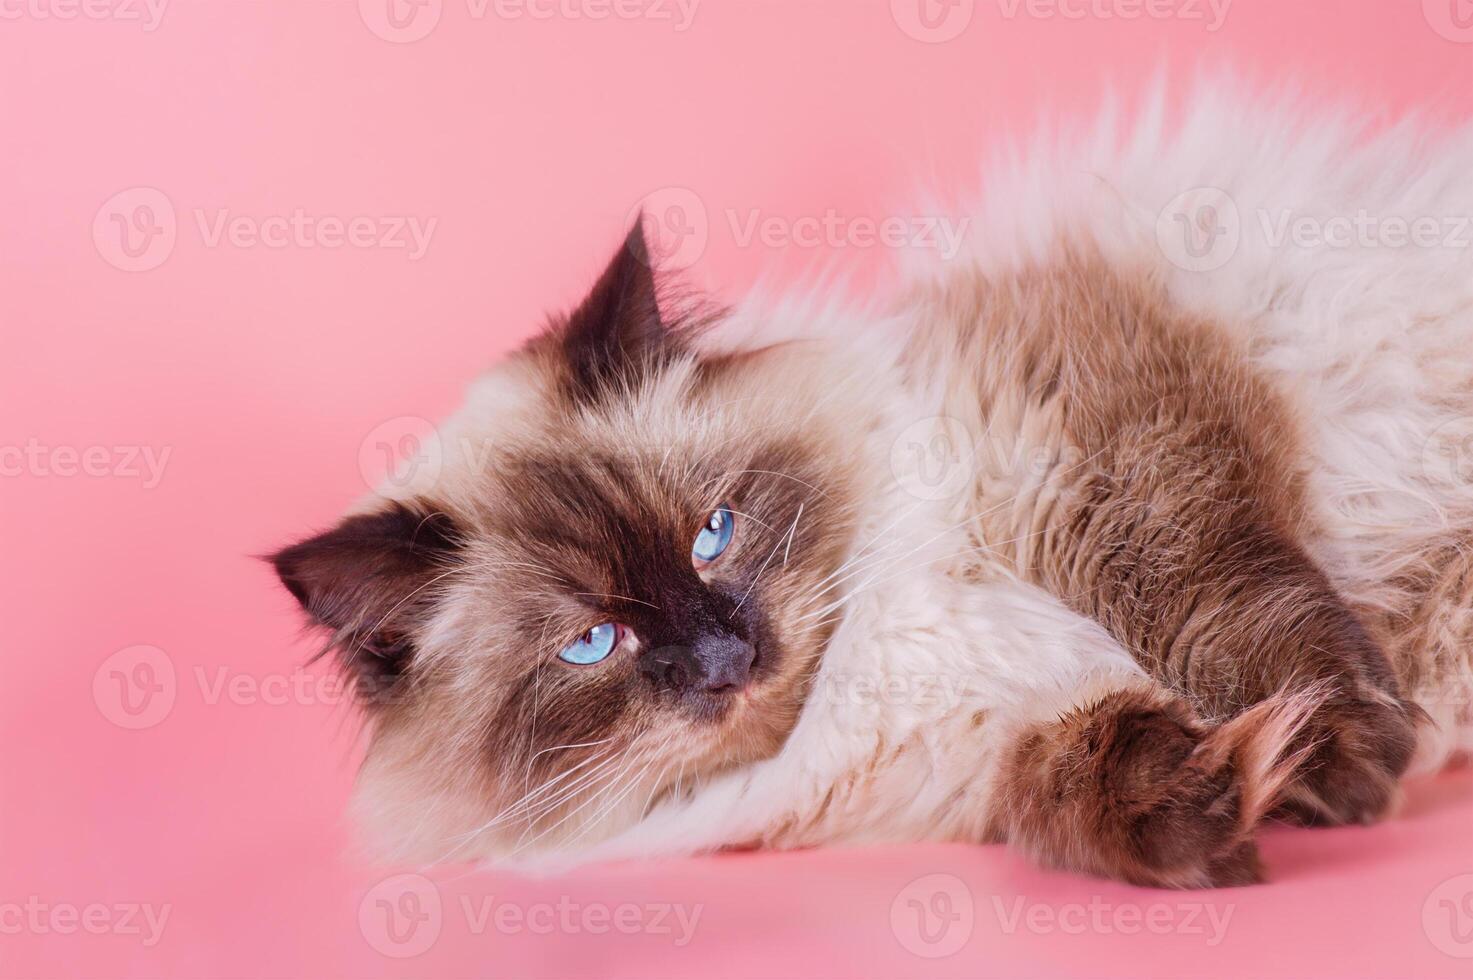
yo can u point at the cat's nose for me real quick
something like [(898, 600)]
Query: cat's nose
[(716, 663), (726, 662)]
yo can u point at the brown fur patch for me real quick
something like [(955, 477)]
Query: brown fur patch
[(1170, 507)]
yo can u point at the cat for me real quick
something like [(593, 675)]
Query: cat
[(1081, 545)]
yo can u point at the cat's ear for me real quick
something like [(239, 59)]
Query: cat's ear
[(370, 581), (617, 331)]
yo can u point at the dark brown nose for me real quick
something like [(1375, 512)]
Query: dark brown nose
[(716, 663)]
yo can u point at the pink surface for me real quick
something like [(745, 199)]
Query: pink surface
[(206, 388)]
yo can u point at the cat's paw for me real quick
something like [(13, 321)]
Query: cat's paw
[(1359, 749), (1145, 792), (1169, 798), (1135, 787)]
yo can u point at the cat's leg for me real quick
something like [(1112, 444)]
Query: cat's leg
[(1177, 521), (1131, 785), (1214, 599), (1155, 482)]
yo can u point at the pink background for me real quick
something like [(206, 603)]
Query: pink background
[(270, 375)]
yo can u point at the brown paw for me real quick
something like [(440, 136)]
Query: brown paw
[(1359, 748), (1176, 809), (1136, 788)]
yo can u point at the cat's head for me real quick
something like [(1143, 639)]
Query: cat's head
[(614, 583)]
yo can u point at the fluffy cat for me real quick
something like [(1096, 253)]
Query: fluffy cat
[(1103, 555)]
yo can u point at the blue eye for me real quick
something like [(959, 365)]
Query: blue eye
[(714, 537), (592, 646)]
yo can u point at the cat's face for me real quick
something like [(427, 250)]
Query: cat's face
[(617, 584)]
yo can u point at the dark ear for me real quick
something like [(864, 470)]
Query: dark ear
[(370, 581), (616, 333)]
